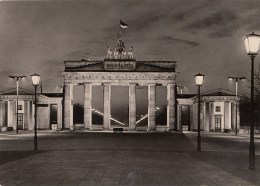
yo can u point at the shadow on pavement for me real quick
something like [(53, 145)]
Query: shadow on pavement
[(9, 156), (235, 163)]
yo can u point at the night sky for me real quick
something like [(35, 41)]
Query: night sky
[(202, 36)]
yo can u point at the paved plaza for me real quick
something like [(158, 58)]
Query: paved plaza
[(88, 158)]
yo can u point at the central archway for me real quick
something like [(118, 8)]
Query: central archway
[(119, 106)]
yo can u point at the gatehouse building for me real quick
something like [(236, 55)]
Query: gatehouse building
[(49, 117), (218, 111)]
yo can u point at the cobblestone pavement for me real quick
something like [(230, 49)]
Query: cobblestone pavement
[(120, 159)]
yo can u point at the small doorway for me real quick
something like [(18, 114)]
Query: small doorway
[(20, 121), (53, 116), (218, 123), (185, 117)]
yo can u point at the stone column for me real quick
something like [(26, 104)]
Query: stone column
[(151, 107), (10, 114), (68, 107), (202, 115), (31, 116), (229, 115), (59, 116), (88, 105), (5, 113), (26, 114), (179, 117), (238, 117), (1, 114), (195, 115), (132, 106), (211, 116), (107, 106), (171, 107), (14, 114), (233, 116), (226, 115), (191, 118), (206, 116)]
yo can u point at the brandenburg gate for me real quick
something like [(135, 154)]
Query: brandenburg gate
[(119, 68)]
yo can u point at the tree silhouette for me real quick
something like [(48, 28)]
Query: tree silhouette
[(245, 105)]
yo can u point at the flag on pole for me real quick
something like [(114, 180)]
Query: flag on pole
[(123, 25)]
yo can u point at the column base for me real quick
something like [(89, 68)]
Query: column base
[(88, 128), (169, 129), (150, 129)]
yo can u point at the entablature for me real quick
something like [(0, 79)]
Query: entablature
[(119, 78)]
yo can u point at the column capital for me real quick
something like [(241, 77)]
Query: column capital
[(106, 83), (69, 83), (171, 84), (87, 83)]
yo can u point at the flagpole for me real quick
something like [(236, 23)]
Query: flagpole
[(120, 29), (122, 25)]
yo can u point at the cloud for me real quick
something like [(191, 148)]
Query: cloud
[(218, 24), (146, 22), (184, 12), (215, 20), (170, 39), (79, 54)]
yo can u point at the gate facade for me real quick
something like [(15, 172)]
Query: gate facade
[(119, 69)]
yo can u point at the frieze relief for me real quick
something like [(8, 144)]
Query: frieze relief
[(14, 97), (219, 98), (119, 66), (121, 76)]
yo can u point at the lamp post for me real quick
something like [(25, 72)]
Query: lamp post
[(236, 79), (199, 80), (35, 82), (252, 43), (17, 96)]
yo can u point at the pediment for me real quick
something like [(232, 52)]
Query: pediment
[(12, 91), (219, 92), (155, 66), (84, 66)]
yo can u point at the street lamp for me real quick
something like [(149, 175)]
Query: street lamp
[(236, 79), (199, 80), (17, 95), (35, 82), (252, 43)]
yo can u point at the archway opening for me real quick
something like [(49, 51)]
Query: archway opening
[(161, 106), (141, 107), (119, 106), (97, 105), (78, 105)]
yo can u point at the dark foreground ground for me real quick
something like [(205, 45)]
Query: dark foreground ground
[(87, 158)]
